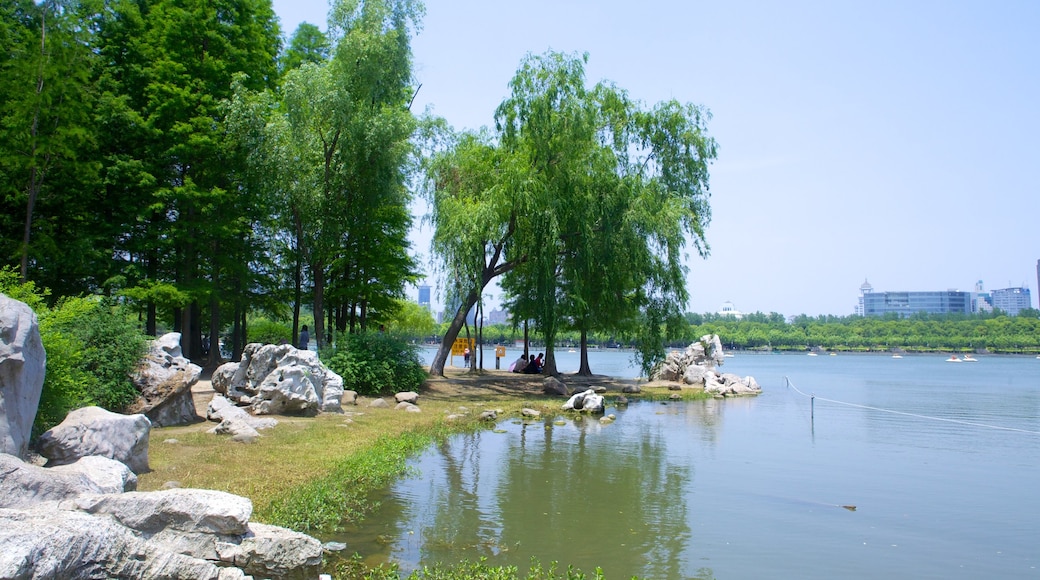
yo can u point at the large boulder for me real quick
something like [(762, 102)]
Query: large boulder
[(22, 364), (23, 484), (588, 401), (177, 533), (95, 431), (280, 379), (164, 378), (731, 385)]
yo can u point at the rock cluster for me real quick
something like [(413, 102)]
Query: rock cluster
[(164, 378), (279, 379), (695, 367), (88, 527)]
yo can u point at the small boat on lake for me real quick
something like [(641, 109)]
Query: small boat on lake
[(953, 358), (897, 356), (969, 358)]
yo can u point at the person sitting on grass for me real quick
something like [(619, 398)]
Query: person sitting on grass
[(519, 364), (534, 367)]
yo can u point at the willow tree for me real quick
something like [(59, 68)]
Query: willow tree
[(601, 200), (474, 210)]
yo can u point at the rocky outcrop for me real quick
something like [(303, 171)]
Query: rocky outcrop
[(164, 378), (177, 533), (280, 379), (731, 385), (696, 367), (22, 364), (95, 431)]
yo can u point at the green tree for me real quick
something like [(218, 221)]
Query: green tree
[(47, 141)]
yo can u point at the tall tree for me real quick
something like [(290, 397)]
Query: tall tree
[(47, 140)]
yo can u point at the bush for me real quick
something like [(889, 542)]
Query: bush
[(267, 331), (372, 363)]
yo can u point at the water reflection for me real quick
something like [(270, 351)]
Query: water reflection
[(582, 493)]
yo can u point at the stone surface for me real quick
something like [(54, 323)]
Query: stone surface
[(554, 386), (24, 484), (280, 379), (379, 404), (164, 378), (173, 533), (407, 397), (95, 431), (273, 552), (22, 364)]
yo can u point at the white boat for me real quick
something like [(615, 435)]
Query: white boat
[(897, 356), (969, 358), (812, 354), (953, 358)]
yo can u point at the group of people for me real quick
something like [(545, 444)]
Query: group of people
[(527, 367)]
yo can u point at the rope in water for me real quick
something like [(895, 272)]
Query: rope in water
[(790, 385)]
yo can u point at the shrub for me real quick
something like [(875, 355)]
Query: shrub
[(374, 362), (267, 331)]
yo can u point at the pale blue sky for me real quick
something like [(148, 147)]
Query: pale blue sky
[(892, 141)]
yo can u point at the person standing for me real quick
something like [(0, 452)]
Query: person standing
[(305, 337), (465, 356)]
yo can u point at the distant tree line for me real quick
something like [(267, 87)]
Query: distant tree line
[(995, 332)]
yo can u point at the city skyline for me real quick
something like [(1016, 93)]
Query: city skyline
[(885, 140)]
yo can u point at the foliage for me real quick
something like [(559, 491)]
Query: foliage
[(411, 320), (375, 362), (266, 331)]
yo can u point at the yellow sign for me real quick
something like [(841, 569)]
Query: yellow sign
[(461, 344), (500, 351)]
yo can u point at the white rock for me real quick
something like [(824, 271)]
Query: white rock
[(95, 431), (22, 364), (23, 484)]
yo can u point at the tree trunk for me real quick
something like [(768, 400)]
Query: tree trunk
[(318, 273), (584, 369), (437, 366), (213, 358)]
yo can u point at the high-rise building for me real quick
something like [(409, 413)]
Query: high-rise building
[(1012, 300), (981, 301), (424, 297)]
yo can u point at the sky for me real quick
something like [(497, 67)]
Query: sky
[(891, 141)]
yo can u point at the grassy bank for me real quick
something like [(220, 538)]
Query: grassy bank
[(314, 474)]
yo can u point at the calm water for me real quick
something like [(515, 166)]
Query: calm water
[(749, 488)]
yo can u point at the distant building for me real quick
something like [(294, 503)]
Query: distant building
[(1012, 300), (729, 310), (864, 288), (424, 297), (906, 304), (981, 301), (498, 317)]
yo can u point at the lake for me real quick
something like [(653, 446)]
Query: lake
[(937, 466)]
